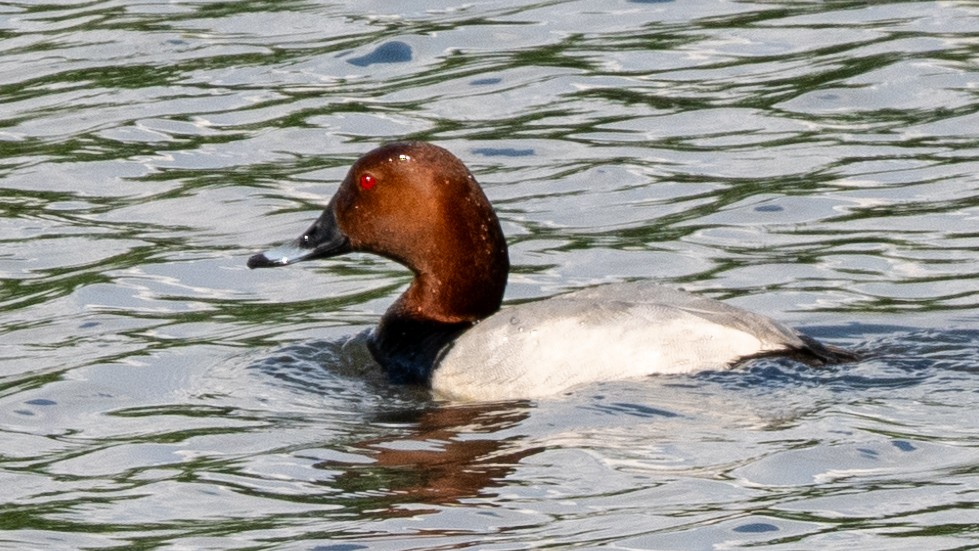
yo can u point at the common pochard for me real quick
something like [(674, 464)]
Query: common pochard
[(417, 204)]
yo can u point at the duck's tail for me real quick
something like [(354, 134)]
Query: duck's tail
[(818, 354)]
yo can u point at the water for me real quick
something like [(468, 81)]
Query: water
[(815, 161)]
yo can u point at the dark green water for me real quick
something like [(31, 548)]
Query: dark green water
[(814, 161)]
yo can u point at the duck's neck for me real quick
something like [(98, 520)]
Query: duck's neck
[(448, 295), (407, 347)]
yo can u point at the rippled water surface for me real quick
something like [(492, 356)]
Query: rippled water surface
[(816, 161)]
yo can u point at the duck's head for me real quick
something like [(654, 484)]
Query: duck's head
[(419, 205)]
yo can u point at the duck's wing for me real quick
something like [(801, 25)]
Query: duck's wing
[(713, 311), (776, 337)]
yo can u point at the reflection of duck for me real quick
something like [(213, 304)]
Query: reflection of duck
[(440, 460), (417, 204)]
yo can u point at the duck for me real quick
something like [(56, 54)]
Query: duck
[(419, 205)]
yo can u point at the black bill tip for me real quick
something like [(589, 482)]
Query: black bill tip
[(282, 256), (260, 261)]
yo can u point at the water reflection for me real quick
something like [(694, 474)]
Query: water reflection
[(416, 450), (389, 52), (440, 455)]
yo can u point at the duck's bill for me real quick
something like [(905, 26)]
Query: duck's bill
[(322, 240), (281, 256)]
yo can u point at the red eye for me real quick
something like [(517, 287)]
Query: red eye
[(367, 181)]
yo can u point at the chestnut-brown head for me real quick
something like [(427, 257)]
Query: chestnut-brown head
[(419, 205)]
